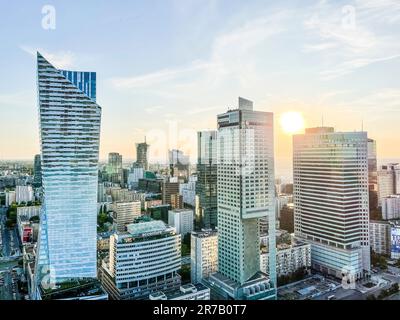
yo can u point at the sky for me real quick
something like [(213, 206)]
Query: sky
[(166, 68)]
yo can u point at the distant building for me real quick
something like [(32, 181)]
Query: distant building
[(388, 181), (286, 220), (37, 171), (372, 175), (206, 186), (179, 164), (142, 261), (176, 201), (125, 213), (142, 150), (168, 189), (185, 292), (391, 207), (203, 254), (188, 191), (379, 236), (181, 220), (134, 176), (114, 168)]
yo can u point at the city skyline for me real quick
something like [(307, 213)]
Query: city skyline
[(313, 61)]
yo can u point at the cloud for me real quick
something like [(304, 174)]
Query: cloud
[(60, 59), (352, 37)]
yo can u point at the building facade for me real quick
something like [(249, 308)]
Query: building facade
[(206, 186), (144, 260), (330, 172), (245, 183), (69, 135), (391, 207), (142, 150), (203, 254), (125, 213), (181, 220), (379, 236)]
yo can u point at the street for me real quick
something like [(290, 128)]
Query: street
[(11, 251)]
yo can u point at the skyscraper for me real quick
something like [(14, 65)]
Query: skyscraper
[(372, 175), (37, 171), (142, 150), (69, 135), (206, 186), (330, 171), (245, 182)]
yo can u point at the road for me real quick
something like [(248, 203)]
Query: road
[(11, 246)]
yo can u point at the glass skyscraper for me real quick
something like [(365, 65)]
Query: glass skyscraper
[(206, 186), (69, 119)]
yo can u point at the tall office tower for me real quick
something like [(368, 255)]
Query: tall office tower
[(114, 168), (372, 175), (206, 186), (330, 172), (144, 260), (69, 135), (178, 164), (125, 213), (245, 182), (37, 171), (142, 150), (388, 181), (203, 254)]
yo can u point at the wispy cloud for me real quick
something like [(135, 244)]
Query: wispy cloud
[(60, 59)]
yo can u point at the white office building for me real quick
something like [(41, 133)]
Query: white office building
[(203, 254), (125, 213), (186, 292), (181, 220), (379, 236), (289, 258), (10, 198), (142, 261), (391, 207), (23, 194), (331, 199), (388, 181)]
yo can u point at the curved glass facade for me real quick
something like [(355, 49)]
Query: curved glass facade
[(69, 120)]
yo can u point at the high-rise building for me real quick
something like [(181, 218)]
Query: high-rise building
[(168, 189), (125, 213), (245, 182), (37, 171), (114, 168), (206, 186), (203, 254), (372, 175), (181, 220), (142, 150), (330, 171), (69, 135), (144, 260)]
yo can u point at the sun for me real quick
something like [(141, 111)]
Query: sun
[(292, 122)]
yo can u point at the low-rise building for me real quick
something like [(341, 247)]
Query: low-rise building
[(181, 220), (203, 254), (289, 258), (379, 236)]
